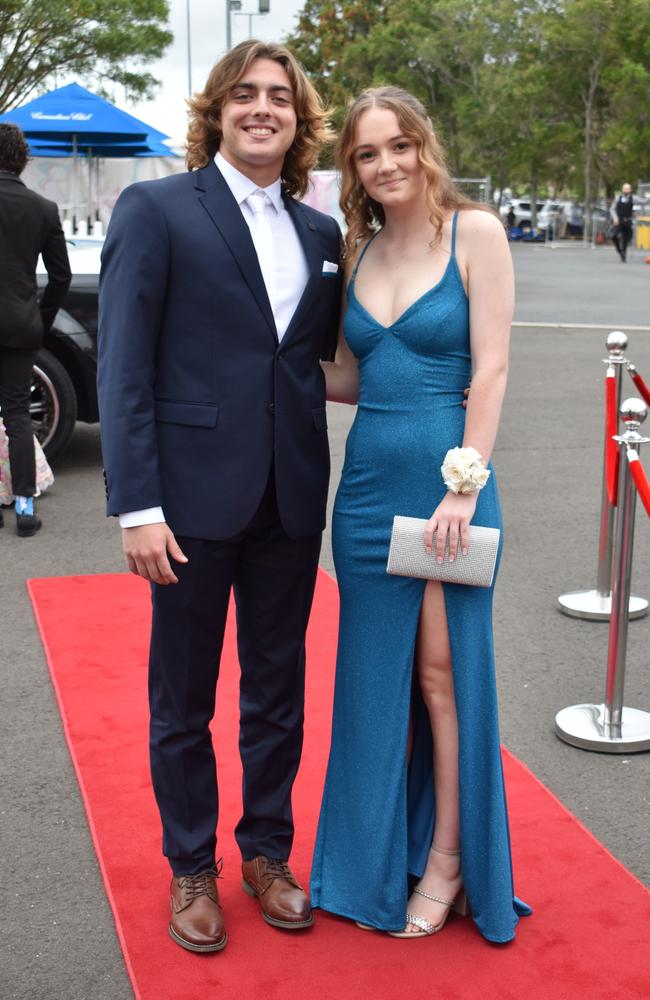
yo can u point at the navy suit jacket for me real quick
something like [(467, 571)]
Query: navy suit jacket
[(197, 396)]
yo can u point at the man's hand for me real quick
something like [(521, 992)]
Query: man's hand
[(148, 549)]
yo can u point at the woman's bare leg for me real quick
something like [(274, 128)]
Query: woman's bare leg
[(433, 665)]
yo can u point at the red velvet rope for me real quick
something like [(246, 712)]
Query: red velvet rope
[(640, 478), (641, 386), (611, 428)]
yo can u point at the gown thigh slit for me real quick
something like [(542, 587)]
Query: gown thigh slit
[(424, 721), (378, 810)]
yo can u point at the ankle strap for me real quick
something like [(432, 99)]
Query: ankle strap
[(443, 850)]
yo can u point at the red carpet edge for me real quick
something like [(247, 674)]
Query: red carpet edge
[(84, 795), (567, 812)]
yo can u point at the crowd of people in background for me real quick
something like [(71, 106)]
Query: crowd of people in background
[(566, 220)]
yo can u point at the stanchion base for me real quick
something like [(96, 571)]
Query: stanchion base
[(593, 606), (584, 726)]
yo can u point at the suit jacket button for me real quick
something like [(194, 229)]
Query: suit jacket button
[(271, 408)]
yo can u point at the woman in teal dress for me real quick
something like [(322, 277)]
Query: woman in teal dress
[(414, 783)]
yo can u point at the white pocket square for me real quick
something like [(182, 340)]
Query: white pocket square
[(329, 267)]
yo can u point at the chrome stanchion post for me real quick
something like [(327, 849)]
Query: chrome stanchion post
[(633, 413), (615, 362), (596, 604), (611, 727)]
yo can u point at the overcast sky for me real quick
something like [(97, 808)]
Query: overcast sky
[(208, 39)]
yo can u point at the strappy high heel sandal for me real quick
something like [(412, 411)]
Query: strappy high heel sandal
[(425, 927)]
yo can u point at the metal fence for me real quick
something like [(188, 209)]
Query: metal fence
[(476, 188), (325, 190)]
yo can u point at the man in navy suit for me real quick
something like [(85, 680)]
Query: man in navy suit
[(219, 294)]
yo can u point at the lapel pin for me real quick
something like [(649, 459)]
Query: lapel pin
[(310, 225)]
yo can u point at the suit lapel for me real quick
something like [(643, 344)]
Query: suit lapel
[(218, 201), (308, 237)]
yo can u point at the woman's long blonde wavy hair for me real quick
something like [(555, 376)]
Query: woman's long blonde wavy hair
[(204, 132), (362, 214)]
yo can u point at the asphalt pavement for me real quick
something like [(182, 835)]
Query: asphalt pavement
[(58, 940)]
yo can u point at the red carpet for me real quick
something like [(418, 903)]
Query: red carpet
[(587, 938)]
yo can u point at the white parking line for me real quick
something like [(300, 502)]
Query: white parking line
[(582, 326)]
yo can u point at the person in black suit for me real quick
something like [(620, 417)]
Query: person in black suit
[(219, 293), (622, 213), (29, 226)]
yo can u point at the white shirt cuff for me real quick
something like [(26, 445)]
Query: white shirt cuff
[(135, 518)]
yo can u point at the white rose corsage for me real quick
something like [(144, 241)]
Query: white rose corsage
[(463, 471)]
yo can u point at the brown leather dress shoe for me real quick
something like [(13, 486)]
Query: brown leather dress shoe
[(197, 919), (282, 900)]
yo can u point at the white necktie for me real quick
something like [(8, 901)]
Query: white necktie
[(262, 234)]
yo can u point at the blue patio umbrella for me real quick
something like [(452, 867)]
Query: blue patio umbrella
[(79, 119), (100, 150), (70, 113)]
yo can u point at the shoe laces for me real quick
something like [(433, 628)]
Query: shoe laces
[(276, 868), (199, 885)]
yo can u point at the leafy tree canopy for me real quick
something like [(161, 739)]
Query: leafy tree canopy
[(555, 92), (100, 39)]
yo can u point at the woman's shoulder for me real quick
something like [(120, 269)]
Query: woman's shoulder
[(480, 232), (480, 223)]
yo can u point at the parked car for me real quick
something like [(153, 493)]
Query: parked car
[(63, 384), (547, 212), (522, 209)]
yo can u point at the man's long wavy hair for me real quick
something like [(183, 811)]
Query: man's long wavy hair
[(204, 133), (362, 214)]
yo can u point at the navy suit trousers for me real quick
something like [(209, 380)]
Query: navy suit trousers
[(272, 577)]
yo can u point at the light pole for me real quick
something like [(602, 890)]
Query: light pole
[(234, 6), (250, 20), (231, 5), (189, 47)]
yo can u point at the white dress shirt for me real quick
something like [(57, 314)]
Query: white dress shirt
[(288, 267), (291, 270)]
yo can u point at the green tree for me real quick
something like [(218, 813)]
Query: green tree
[(583, 42), (538, 93), (455, 55), (624, 149), (602, 52), (325, 32), (100, 39), (513, 124)]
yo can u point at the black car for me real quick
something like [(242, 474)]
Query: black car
[(64, 382)]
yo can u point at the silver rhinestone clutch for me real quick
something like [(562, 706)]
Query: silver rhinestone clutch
[(408, 557)]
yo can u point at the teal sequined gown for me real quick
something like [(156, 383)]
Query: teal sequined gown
[(377, 816)]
